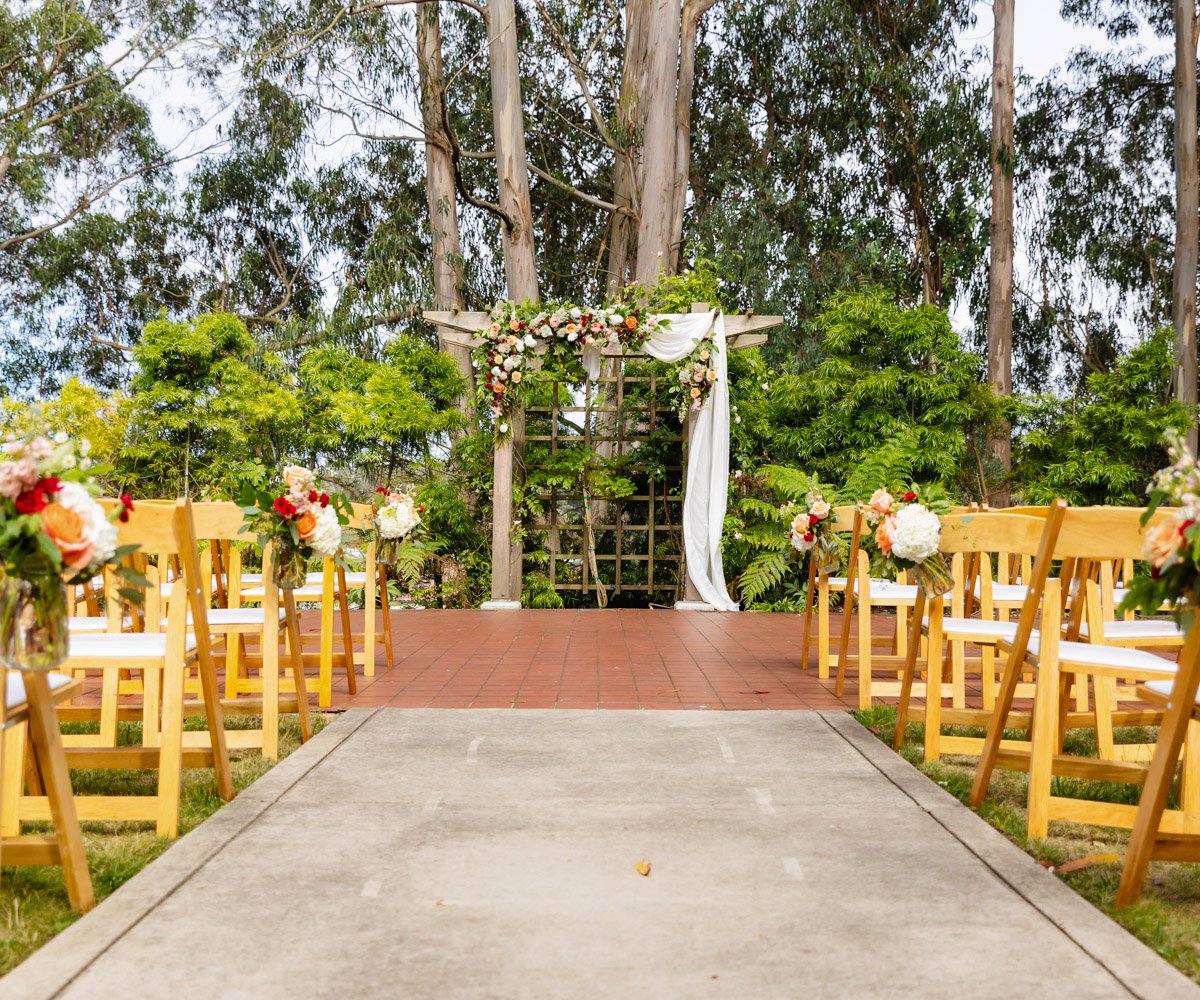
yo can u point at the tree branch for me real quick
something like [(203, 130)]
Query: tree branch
[(455, 156)]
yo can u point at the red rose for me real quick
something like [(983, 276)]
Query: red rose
[(284, 508), (31, 502), (323, 499), (312, 496), (51, 484), (380, 489), (809, 536), (813, 519), (126, 507), (909, 497), (1186, 524)]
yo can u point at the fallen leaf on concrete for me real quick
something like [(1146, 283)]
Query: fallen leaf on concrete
[(442, 902), (642, 868), (1087, 862)]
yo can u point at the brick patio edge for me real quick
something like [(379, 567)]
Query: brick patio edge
[(54, 966)]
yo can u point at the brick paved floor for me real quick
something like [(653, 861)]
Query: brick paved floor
[(617, 658)]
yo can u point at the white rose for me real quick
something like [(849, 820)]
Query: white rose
[(916, 531)]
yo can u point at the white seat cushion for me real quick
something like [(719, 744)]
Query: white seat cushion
[(94, 623), (977, 629), (1085, 654), (1009, 593), (14, 686), (123, 645), (356, 579), (1139, 628), (236, 616), (1167, 688)]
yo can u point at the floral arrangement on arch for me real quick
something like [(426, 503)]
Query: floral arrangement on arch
[(397, 515), (695, 378), (1172, 547), (521, 332), (303, 520), (908, 529), (812, 529), (53, 532)]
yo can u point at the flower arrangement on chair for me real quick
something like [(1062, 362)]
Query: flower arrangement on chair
[(397, 515), (908, 529), (1172, 547), (53, 533), (812, 528), (304, 521)]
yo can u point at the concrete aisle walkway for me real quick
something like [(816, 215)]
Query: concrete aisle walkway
[(453, 854)]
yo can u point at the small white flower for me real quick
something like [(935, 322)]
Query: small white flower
[(60, 437), (766, 387), (503, 428)]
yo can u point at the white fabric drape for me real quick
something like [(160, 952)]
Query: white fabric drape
[(706, 492)]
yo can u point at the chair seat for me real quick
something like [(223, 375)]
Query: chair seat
[(1086, 654), (1165, 688), (123, 645), (93, 623), (1008, 593), (1139, 628), (14, 687), (839, 582), (976, 628), (226, 617)]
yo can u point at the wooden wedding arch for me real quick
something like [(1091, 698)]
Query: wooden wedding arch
[(460, 329)]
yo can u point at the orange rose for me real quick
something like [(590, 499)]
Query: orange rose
[(306, 524), (883, 536), (631, 322), (65, 529)]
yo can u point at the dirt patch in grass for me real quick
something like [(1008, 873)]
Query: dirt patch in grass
[(33, 901), (1168, 916)]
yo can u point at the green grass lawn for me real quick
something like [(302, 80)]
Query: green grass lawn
[(1168, 916), (33, 901)]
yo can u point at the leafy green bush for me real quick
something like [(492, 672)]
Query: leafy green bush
[(1103, 446)]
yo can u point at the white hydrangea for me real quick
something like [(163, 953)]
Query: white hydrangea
[(397, 519), (916, 531), (327, 535), (96, 527)]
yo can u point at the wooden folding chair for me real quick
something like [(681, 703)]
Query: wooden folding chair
[(164, 659), (1158, 833), (1084, 536), (29, 702), (968, 539)]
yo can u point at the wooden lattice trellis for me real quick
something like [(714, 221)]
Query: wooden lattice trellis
[(458, 328), (638, 541)]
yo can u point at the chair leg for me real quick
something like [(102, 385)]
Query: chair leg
[(823, 629), (935, 666), (1156, 787), (958, 673), (297, 661), (865, 651), (910, 670), (385, 615), (1104, 697), (325, 680), (996, 725), (370, 638), (987, 667), (43, 726), (170, 753), (809, 602), (12, 780), (270, 692), (1044, 738), (347, 632)]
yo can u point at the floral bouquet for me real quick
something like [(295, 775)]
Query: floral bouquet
[(812, 529), (1172, 547), (53, 533), (305, 522), (696, 380), (906, 537), (397, 515)]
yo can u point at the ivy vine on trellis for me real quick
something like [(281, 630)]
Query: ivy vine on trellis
[(524, 339)]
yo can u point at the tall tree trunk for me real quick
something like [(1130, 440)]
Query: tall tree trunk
[(508, 120), (520, 272), (439, 188), (693, 10), (1187, 207), (657, 173), (622, 229), (1000, 271)]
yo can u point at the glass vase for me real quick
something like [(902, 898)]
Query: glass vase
[(933, 575), (386, 550), (33, 622), (291, 567)]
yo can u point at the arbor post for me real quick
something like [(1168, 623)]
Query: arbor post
[(506, 549)]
